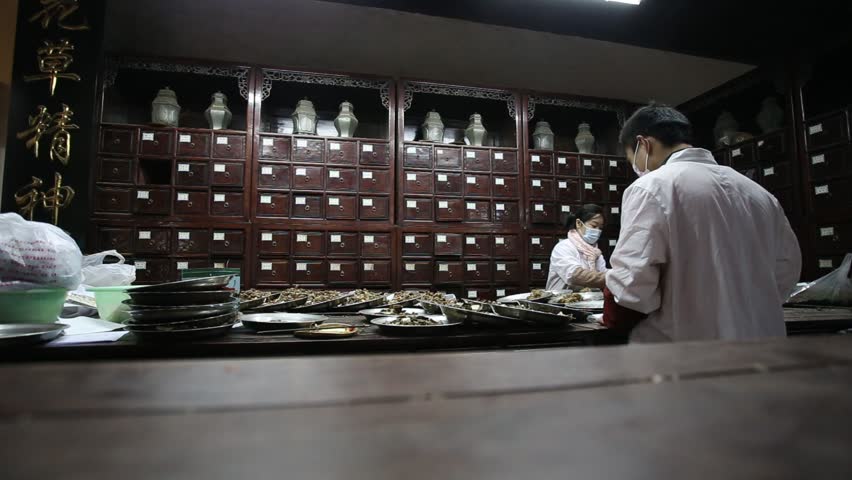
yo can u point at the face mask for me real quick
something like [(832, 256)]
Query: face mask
[(592, 235), (640, 173)]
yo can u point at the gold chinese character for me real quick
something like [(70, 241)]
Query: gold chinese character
[(28, 197), (61, 10), (53, 60), (58, 124), (57, 197)]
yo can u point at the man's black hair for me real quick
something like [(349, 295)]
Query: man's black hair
[(662, 122)]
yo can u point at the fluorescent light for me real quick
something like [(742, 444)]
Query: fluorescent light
[(631, 2)]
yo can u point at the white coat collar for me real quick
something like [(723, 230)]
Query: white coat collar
[(697, 155)]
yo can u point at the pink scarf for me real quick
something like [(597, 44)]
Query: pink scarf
[(590, 253)]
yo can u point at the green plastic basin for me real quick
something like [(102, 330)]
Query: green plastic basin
[(108, 301), (41, 305)]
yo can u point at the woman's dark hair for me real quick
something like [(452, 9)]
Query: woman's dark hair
[(585, 213), (662, 122)]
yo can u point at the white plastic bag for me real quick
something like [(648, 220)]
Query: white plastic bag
[(833, 289), (35, 254), (96, 273)]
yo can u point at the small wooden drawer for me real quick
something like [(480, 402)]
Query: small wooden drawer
[(418, 209), (507, 271), (567, 165), (592, 167), (619, 169), (273, 175), (476, 160), (829, 131), (308, 150), (477, 185), (271, 204), (274, 148), (118, 141), (229, 146), (504, 187), (273, 242), (614, 192), (541, 188), (152, 270), (417, 244), (776, 176), (220, 263), (541, 163), (191, 144), (771, 148), (565, 209), (417, 272), (116, 170), (115, 238), (191, 202), (375, 154), (152, 241), (833, 237), (479, 293), (341, 153), (505, 291), (227, 242), (374, 208), (448, 183), (182, 264), (506, 211), (307, 206), (477, 210), (477, 245), (417, 156), (832, 195), (227, 174), (449, 209), (448, 158), (376, 272), (191, 174), (309, 244), (507, 246), (418, 182), (448, 272), (541, 245), (568, 190), (374, 181), (191, 241), (341, 207), (226, 204), (448, 244), (543, 213), (539, 270), (342, 272), (342, 244), (309, 272), (831, 164), (376, 245), (273, 271), (504, 161), (826, 263), (743, 156), (477, 271), (593, 191), (156, 143), (152, 201), (341, 179), (613, 215), (308, 177)]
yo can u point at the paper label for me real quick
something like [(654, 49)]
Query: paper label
[(471, 206), (266, 199), (411, 204), (366, 148), (471, 180), (499, 181), (301, 172), (218, 236), (301, 267), (816, 160), (535, 159), (587, 163), (813, 130), (301, 143), (612, 243), (471, 294), (442, 177), (471, 267), (142, 194), (536, 266), (566, 208), (588, 186), (411, 177), (736, 152), (821, 190), (443, 267), (442, 239), (221, 140), (369, 239), (499, 241), (185, 139), (562, 161), (183, 197), (367, 202), (440, 152), (501, 293), (563, 185), (768, 171), (536, 183), (410, 239), (368, 267), (613, 188), (334, 201), (140, 264), (268, 142), (219, 265), (183, 236), (333, 146), (367, 175), (470, 154), (265, 237), (183, 167), (219, 167), (266, 266), (301, 200), (536, 241), (826, 232), (301, 238), (613, 164), (470, 240), (615, 211), (410, 267), (539, 207), (826, 264), (218, 197), (411, 150), (266, 170), (500, 207), (147, 136), (182, 265), (335, 267), (144, 235), (501, 267), (335, 239), (498, 155), (334, 174), (760, 143), (443, 205)]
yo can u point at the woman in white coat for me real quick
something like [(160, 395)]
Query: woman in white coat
[(577, 262)]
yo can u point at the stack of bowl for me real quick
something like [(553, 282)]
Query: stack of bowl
[(185, 310)]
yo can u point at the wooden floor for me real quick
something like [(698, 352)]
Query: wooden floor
[(780, 409)]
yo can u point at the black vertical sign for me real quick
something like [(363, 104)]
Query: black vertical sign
[(56, 42)]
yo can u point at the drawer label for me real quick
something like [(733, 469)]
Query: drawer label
[(826, 232), (470, 240), (440, 151), (411, 150), (612, 243), (471, 180), (471, 206), (266, 199), (367, 202), (335, 267), (219, 197), (535, 241), (500, 207), (535, 159), (411, 177), (589, 186), (536, 266), (301, 267), (334, 174), (536, 183), (147, 136), (566, 208), (301, 200), (368, 267), (301, 172), (760, 143), (218, 236), (539, 207), (265, 266), (442, 177), (470, 154), (183, 235), (615, 211), (182, 265), (301, 238), (471, 294), (613, 164), (185, 139), (366, 148), (814, 129), (219, 167), (768, 171), (821, 190), (333, 146), (140, 265), (183, 197), (736, 152), (501, 267), (442, 239), (265, 237), (501, 293), (268, 142), (411, 204), (471, 267), (498, 155), (410, 267), (266, 170), (817, 159), (613, 188), (144, 235), (563, 185), (587, 163), (334, 201), (499, 241), (369, 239), (826, 264), (142, 194), (335, 238), (183, 167), (499, 181), (219, 265), (221, 140), (367, 175), (443, 267), (301, 143), (410, 239), (443, 205), (562, 161)]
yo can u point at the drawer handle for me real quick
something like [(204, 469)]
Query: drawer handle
[(418, 183), (274, 177), (275, 243), (375, 155), (374, 180), (150, 201), (272, 206), (227, 174), (308, 273), (189, 204), (341, 208), (115, 171), (116, 141), (307, 208), (451, 275), (373, 209), (342, 245), (339, 179), (342, 273), (191, 173), (340, 154), (274, 273), (477, 246), (228, 147), (227, 205), (156, 142), (191, 144), (307, 178), (477, 274), (308, 244), (450, 210)]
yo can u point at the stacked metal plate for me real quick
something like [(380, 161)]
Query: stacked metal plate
[(184, 310)]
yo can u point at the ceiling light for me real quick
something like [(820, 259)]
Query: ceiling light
[(631, 2)]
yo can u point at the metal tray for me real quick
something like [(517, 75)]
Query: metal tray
[(591, 305), (257, 302), (154, 315), (379, 312), (579, 315), (216, 321), (532, 317), (444, 328), (260, 322), (431, 308), (356, 307), (278, 306), (29, 333), (191, 285), (183, 335), (392, 303), (178, 299), (325, 306), (456, 314)]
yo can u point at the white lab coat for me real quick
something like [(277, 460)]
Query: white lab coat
[(705, 252), (564, 261)]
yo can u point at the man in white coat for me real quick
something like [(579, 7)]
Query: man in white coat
[(704, 251)]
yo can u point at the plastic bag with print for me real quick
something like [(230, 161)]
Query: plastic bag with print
[(35, 255)]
